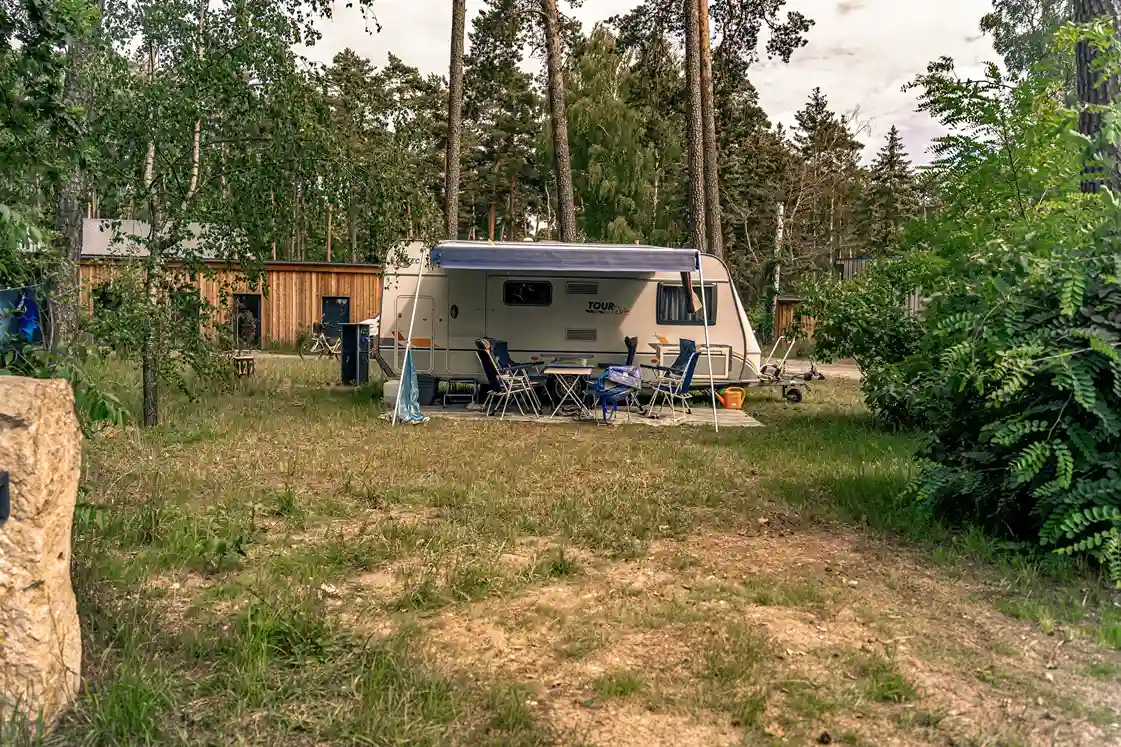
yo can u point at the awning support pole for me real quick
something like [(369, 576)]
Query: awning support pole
[(409, 343), (708, 344)]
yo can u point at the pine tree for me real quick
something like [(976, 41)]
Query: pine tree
[(713, 213), (452, 163), (562, 161), (820, 219), (737, 27), (698, 234), (657, 94), (890, 197), (503, 114)]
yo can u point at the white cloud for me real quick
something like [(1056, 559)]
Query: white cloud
[(860, 53)]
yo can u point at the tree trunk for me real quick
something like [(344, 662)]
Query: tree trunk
[(510, 209), (713, 217), (695, 147), (777, 279), (490, 222), (455, 122), (150, 365), (330, 229), (68, 214), (195, 155), (1096, 91), (562, 161), (352, 228)]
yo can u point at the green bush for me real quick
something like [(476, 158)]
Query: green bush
[(866, 319), (1013, 368), (1025, 395)]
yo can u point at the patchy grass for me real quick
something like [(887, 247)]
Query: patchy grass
[(274, 565), (620, 684), (880, 680)]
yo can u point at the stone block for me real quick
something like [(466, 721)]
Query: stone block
[(40, 640)]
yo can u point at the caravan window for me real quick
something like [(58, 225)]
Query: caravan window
[(520, 293), (673, 305)]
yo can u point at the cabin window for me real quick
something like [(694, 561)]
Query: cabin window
[(521, 293), (673, 304)]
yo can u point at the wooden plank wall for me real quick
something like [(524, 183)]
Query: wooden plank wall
[(293, 302), (786, 311)]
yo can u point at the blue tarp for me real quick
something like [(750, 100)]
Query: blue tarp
[(408, 396), (546, 257), (19, 316)]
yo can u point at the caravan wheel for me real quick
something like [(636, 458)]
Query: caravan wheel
[(793, 395)]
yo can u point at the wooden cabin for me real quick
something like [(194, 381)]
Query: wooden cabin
[(290, 298), (786, 313)]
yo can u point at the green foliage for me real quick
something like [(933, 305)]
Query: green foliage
[(890, 198), (1012, 368), (613, 162), (867, 319), (1030, 412)]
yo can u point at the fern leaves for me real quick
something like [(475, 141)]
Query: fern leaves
[(1031, 446)]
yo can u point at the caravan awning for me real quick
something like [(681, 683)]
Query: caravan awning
[(548, 257)]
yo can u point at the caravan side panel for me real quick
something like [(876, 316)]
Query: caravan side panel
[(466, 321)]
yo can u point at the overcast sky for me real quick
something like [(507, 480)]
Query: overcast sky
[(860, 52)]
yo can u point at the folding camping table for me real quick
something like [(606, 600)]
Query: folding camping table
[(570, 384)]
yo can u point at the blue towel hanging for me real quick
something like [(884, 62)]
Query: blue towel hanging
[(408, 396)]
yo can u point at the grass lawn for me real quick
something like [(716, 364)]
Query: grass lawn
[(279, 567)]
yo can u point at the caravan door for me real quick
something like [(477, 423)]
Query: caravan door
[(466, 320), (422, 333)]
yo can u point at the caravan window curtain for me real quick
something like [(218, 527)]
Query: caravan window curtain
[(673, 305)]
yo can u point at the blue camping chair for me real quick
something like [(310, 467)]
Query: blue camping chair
[(591, 396), (501, 351), (618, 384), (673, 382), (505, 386)]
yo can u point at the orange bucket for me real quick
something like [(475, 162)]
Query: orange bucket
[(731, 398)]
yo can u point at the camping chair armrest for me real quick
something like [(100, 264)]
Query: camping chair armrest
[(655, 368), (521, 366)]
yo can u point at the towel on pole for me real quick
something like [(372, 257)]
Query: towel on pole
[(408, 396)]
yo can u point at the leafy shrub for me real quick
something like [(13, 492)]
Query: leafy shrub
[(866, 319), (1024, 438), (1013, 369)]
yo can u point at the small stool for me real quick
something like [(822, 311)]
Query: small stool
[(462, 391), (243, 365)]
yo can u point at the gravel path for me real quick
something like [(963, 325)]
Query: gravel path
[(848, 371)]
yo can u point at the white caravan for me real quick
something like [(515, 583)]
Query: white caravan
[(550, 300)]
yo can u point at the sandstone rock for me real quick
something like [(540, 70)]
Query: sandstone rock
[(40, 641)]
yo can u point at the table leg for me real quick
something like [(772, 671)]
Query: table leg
[(567, 387)]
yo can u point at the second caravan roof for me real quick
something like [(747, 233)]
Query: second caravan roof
[(548, 256)]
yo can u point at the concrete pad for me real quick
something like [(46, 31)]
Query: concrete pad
[(701, 416)]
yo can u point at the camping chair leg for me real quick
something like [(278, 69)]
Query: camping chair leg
[(518, 401)]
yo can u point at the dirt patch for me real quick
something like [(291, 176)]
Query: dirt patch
[(829, 599), (631, 725)]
